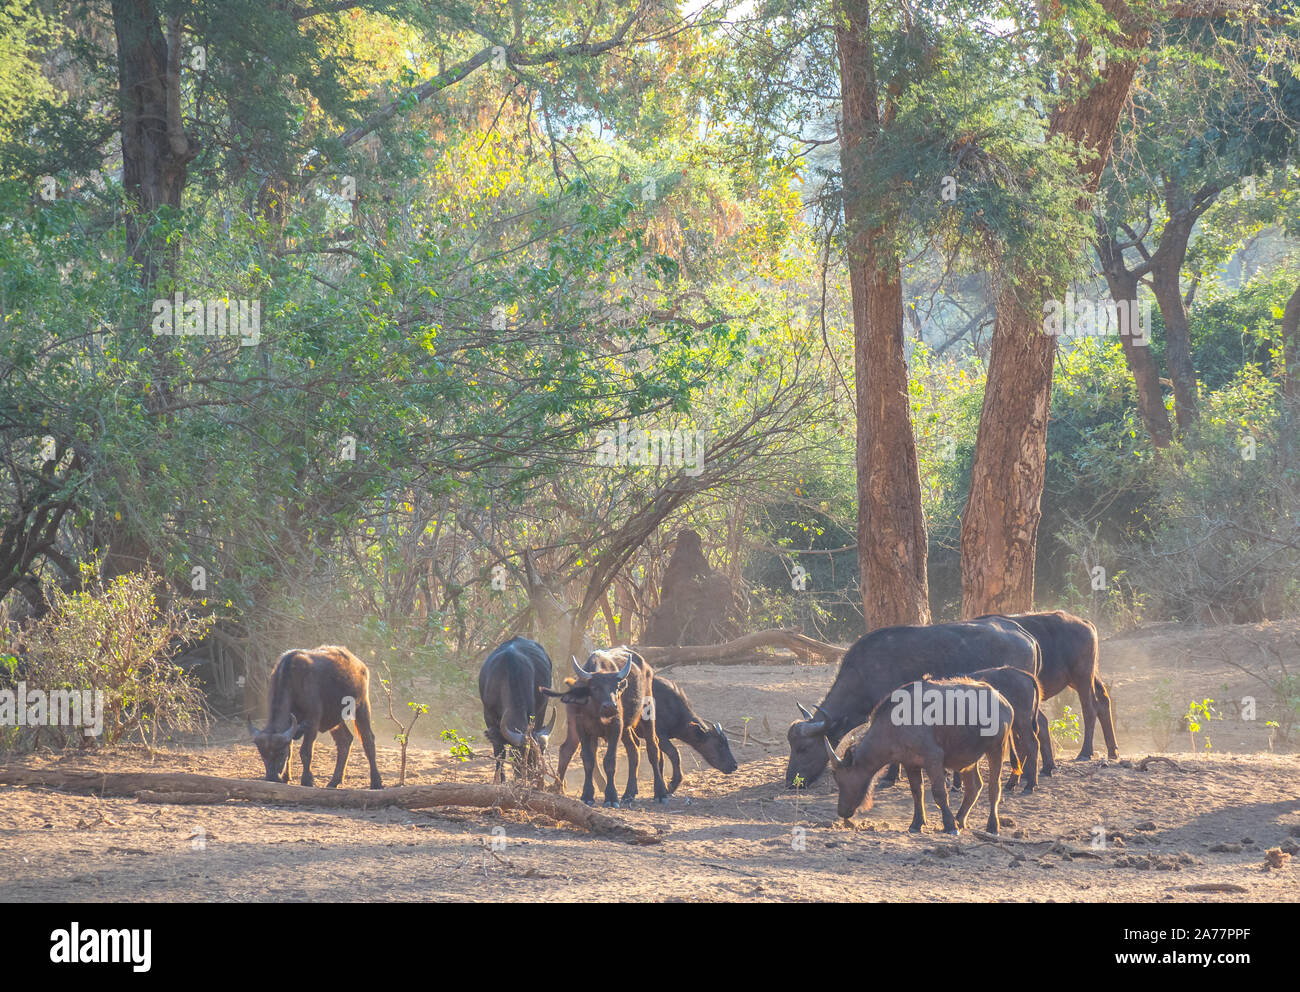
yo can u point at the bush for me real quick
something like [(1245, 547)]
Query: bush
[(113, 639)]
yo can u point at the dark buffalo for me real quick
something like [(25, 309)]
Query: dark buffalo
[(676, 719), (611, 697), (890, 657), (1070, 658), (313, 692), (510, 684), (974, 721), (1022, 691)]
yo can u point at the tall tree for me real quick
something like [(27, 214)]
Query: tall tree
[(999, 533), (892, 547)]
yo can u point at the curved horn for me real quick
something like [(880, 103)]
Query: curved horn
[(825, 716), (836, 763), (253, 731), (582, 672), (626, 669), (289, 734), (513, 736), (804, 710), (550, 725), (718, 728)]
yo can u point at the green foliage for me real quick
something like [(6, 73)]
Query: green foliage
[(460, 746), (115, 639), (1067, 728)]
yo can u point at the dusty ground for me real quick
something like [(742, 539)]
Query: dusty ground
[(739, 837)]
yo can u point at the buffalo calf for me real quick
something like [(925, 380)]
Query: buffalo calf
[(676, 719), (610, 698), (313, 692), (930, 725)]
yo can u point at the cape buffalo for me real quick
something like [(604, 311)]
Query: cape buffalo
[(610, 698), (1070, 658), (313, 692), (675, 718), (930, 725), (510, 684), (1022, 691), (892, 656)]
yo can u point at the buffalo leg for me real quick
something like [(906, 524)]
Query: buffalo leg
[(1104, 718), (367, 735), (1088, 717), (567, 747), (651, 738), (889, 778), (918, 800), (1027, 753), (1045, 744), (588, 766), (308, 739), (971, 785), (995, 787), (669, 749), (633, 762), (939, 789), (611, 763), (343, 743)]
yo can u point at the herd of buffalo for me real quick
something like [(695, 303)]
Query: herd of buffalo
[(997, 668)]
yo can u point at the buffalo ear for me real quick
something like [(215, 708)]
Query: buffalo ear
[(578, 694)]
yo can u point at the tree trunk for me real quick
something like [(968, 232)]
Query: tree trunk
[(1123, 285), (1290, 376), (1165, 268), (999, 535), (155, 157), (892, 543)]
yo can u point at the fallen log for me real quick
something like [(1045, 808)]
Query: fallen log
[(726, 652), (184, 788)]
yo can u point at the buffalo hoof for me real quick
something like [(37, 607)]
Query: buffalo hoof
[(332, 784), (915, 828), (952, 832), (1047, 772), (308, 781), (590, 802), (611, 804), (1027, 790), (1082, 756), (1114, 755), (376, 783), (661, 800)]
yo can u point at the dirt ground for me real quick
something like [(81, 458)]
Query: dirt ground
[(1195, 832)]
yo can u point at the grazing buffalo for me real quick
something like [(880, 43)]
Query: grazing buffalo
[(930, 725), (675, 718), (313, 692), (890, 657), (510, 684), (1070, 658), (1022, 691), (611, 697)]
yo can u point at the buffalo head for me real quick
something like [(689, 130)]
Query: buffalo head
[(807, 755), (274, 749), (599, 692), (716, 750)]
